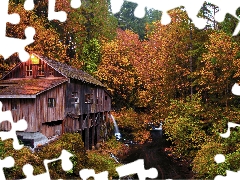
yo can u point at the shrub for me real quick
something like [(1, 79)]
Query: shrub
[(193, 128), (102, 162), (184, 126), (71, 142), (21, 157), (204, 165), (117, 148)]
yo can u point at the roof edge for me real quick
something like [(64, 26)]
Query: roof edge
[(18, 96), (66, 80), (45, 59), (49, 64), (2, 78)]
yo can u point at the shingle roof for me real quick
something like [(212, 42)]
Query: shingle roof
[(71, 72), (27, 88)]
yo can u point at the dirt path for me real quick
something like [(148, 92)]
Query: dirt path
[(154, 156)]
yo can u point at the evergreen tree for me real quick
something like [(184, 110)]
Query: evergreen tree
[(127, 20)]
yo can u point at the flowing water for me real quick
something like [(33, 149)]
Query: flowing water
[(116, 129)]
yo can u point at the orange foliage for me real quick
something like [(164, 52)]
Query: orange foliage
[(219, 68), (47, 40), (117, 68)]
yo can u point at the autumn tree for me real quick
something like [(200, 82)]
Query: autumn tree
[(184, 126), (160, 65), (219, 68), (194, 126), (91, 53), (80, 35), (116, 68), (85, 30), (47, 40), (167, 53)]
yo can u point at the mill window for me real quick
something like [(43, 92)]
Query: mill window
[(40, 70), (75, 97), (88, 98), (51, 102), (51, 71), (14, 104), (29, 70)]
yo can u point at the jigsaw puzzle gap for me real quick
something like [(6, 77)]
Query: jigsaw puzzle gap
[(219, 158), (137, 167), (52, 14), (12, 45), (87, 173), (116, 5), (66, 166), (75, 4), (230, 125), (237, 29), (20, 125), (139, 12), (29, 5), (7, 162)]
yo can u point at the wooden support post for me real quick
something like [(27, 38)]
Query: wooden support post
[(63, 126), (107, 125), (79, 127), (101, 126), (81, 122), (98, 128), (106, 117), (86, 141), (90, 138), (93, 130)]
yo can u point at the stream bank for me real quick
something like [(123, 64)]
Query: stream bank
[(155, 155)]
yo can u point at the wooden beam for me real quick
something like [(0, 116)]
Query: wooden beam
[(86, 141), (93, 130), (17, 96)]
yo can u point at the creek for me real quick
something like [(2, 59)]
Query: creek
[(155, 155)]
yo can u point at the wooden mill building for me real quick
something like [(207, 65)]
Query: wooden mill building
[(55, 98)]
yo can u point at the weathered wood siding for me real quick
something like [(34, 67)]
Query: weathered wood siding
[(26, 109), (36, 111), (71, 124), (107, 101), (52, 129), (50, 114), (76, 94)]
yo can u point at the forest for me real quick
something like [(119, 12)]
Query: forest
[(174, 73)]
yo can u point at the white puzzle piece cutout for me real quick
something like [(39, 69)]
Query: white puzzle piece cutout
[(20, 125), (9, 45), (66, 166), (7, 162), (192, 8)]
